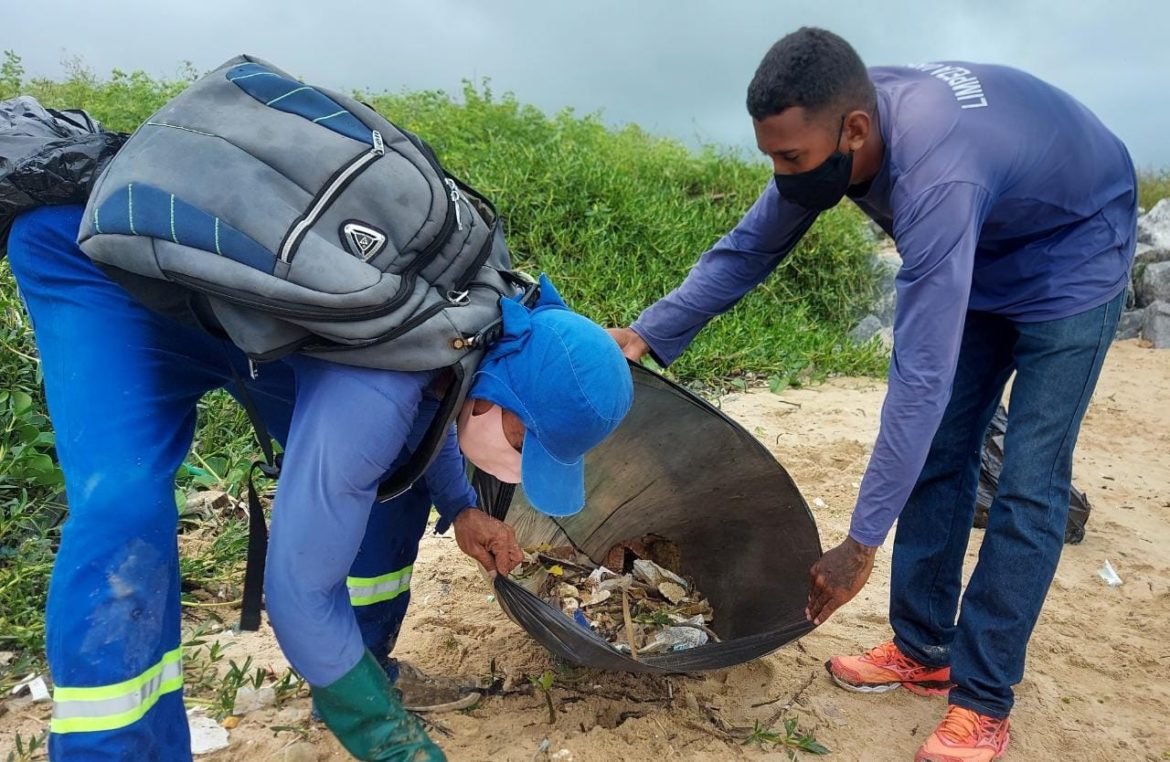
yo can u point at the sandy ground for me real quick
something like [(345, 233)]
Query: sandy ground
[(1094, 688)]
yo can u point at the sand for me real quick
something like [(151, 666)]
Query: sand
[(1094, 687)]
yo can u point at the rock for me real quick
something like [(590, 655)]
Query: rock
[(1144, 256), (886, 337), (866, 329), (1130, 324), (292, 715), (1156, 328), (1154, 226), (886, 300), (1154, 285), (18, 704), (876, 231), (1149, 255), (249, 699), (300, 752), (207, 503)]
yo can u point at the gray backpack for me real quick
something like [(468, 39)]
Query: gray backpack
[(294, 219), (309, 222)]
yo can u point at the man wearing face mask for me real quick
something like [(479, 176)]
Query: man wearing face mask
[(1014, 211)]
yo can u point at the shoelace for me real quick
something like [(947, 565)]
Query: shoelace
[(964, 726), (888, 653)]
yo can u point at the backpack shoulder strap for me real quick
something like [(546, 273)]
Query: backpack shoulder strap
[(402, 479), (396, 484)]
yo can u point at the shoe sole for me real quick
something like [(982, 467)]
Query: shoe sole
[(928, 689), (873, 688), (920, 757), (932, 688), (466, 702)]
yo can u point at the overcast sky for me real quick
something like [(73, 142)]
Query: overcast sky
[(676, 67)]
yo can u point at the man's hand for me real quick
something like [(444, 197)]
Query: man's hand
[(633, 346), (487, 540), (837, 577)]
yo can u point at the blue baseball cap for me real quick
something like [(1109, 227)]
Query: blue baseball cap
[(567, 380)]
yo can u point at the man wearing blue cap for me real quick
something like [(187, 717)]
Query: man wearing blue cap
[(122, 384)]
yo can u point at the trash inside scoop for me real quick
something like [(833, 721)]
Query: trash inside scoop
[(639, 607)]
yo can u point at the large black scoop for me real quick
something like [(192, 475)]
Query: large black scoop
[(679, 468)]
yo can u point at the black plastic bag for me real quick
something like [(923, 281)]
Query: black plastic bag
[(680, 469), (48, 157), (990, 465)]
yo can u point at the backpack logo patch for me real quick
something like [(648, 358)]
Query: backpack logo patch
[(361, 240)]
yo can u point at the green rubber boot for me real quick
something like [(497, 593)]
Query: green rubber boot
[(364, 712)]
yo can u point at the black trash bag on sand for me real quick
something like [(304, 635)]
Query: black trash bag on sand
[(990, 466), (48, 157), (679, 469)]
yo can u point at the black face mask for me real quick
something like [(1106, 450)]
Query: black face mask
[(820, 188)]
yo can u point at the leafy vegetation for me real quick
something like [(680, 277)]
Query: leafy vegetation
[(1153, 186), (793, 739)]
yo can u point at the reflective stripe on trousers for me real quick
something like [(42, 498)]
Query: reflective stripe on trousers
[(106, 707), (366, 591)]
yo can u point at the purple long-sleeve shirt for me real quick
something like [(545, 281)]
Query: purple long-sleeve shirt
[(1003, 194)]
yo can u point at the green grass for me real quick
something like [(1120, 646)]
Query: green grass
[(1153, 186), (615, 216)]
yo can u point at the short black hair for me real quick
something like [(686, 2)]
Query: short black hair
[(811, 68)]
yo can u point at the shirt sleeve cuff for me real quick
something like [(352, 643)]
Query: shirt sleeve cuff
[(867, 538), (662, 353)]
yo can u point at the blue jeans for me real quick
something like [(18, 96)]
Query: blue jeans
[(122, 384), (1056, 364)]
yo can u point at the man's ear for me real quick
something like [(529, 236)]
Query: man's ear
[(857, 126)]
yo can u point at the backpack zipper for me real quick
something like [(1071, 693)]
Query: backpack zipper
[(453, 298), (481, 256), (340, 180), (454, 200), (444, 234)]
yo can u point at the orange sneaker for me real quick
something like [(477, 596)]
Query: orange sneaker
[(965, 736), (884, 668)]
